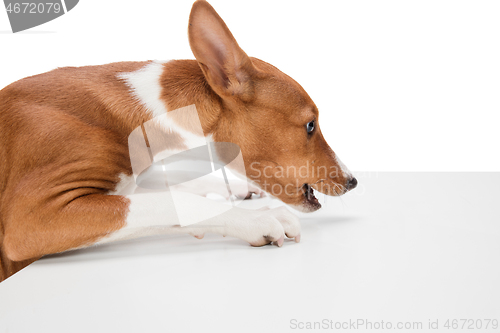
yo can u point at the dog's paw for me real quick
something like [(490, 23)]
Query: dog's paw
[(289, 221), (244, 190), (265, 227), (211, 185)]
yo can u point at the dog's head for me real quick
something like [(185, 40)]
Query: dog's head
[(269, 115)]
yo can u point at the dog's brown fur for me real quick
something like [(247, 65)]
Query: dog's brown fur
[(63, 138)]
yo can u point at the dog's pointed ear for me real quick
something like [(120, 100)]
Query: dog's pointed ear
[(226, 67)]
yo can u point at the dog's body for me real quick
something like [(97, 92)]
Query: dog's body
[(65, 157)]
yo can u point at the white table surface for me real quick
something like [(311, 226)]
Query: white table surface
[(402, 247)]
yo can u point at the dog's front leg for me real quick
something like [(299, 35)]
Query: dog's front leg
[(157, 213)]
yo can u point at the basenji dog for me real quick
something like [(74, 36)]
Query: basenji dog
[(64, 148)]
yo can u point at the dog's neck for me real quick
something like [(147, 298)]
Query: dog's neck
[(183, 84)]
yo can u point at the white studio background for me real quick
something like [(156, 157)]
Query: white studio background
[(401, 85)]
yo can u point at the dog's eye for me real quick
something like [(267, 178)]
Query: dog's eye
[(310, 127)]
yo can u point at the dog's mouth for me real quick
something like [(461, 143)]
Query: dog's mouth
[(311, 203)]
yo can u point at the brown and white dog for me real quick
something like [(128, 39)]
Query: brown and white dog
[(64, 152)]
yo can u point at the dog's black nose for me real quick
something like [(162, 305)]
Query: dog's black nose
[(352, 183)]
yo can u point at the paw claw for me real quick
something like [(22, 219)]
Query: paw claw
[(297, 239), (199, 236), (280, 241)]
